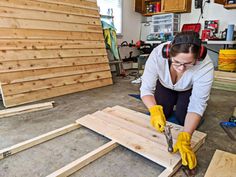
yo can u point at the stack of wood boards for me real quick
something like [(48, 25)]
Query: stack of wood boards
[(223, 164), (132, 129), (50, 48), (224, 80)]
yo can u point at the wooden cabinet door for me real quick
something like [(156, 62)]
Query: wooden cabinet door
[(220, 2), (140, 6), (176, 5)]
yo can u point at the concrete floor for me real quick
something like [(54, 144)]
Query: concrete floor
[(46, 158)]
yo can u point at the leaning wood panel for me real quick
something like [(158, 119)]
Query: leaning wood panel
[(43, 74), (11, 33), (49, 44), (12, 66), (16, 13), (22, 98), (10, 55), (50, 48), (42, 6), (47, 25), (30, 86)]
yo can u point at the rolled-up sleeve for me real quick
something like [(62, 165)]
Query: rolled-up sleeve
[(150, 75), (202, 84)]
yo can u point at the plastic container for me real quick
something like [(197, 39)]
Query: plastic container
[(230, 33), (227, 60)]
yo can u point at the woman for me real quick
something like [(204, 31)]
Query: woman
[(176, 73)]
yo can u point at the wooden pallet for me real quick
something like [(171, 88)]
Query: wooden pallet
[(123, 126)]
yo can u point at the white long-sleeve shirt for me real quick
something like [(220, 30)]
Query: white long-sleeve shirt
[(199, 78)]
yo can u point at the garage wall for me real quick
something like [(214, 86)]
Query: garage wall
[(50, 48), (212, 11)]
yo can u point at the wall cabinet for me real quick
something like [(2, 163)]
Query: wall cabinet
[(150, 7), (226, 4), (176, 6)]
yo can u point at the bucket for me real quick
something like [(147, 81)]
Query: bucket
[(227, 60)]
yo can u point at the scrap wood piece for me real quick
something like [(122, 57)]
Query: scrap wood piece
[(25, 109), (37, 140), (84, 160), (223, 164)]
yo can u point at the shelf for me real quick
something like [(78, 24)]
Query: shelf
[(230, 6), (155, 13)]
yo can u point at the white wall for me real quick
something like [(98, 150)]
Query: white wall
[(212, 11), (131, 22)]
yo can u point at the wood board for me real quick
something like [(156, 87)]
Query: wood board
[(48, 46), (223, 164), (133, 131)]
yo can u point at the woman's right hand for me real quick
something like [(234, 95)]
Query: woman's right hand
[(158, 120)]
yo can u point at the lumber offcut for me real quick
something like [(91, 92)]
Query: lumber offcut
[(50, 48), (25, 109), (223, 164), (224, 81)]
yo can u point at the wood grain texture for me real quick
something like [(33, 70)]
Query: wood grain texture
[(48, 46), (132, 130), (223, 164)]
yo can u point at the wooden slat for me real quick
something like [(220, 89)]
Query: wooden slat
[(47, 25), (130, 140), (143, 128), (197, 135), (41, 6), (9, 55), (132, 127), (17, 13), (85, 160), (49, 44), (37, 140), (39, 74), (53, 92), (36, 85), (12, 66), (74, 3), (10, 33), (223, 164), (25, 109)]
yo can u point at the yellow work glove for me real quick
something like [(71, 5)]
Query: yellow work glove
[(158, 120), (183, 145)]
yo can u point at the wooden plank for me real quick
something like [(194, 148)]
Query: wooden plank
[(226, 75), (132, 127), (14, 100), (223, 164), (144, 120), (25, 109), (24, 87), (10, 55), (42, 6), (141, 127), (10, 33), (17, 13), (13, 66), (37, 140), (131, 141), (84, 160), (81, 3), (49, 44), (47, 25), (39, 74)]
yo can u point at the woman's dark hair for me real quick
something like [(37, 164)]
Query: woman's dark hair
[(186, 42)]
